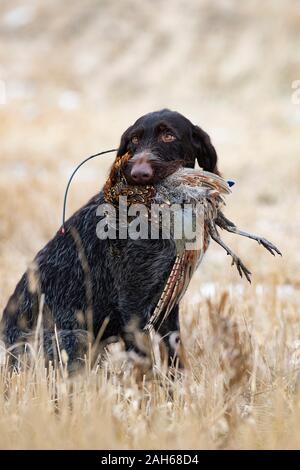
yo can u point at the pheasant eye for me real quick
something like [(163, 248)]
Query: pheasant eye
[(168, 137), (134, 140)]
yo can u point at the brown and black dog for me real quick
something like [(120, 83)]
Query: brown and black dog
[(87, 282)]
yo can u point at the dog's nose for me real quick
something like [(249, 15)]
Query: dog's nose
[(141, 173)]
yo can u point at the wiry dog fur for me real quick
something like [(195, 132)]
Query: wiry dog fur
[(88, 283)]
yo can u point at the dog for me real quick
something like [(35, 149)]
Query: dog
[(86, 289)]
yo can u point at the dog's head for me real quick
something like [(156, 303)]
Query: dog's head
[(159, 142)]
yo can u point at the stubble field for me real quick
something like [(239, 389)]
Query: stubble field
[(76, 76)]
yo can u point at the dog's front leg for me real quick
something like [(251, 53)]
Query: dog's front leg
[(170, 333), (142, 271), (142, 342)]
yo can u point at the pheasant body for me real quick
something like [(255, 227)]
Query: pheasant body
[(204, 192)]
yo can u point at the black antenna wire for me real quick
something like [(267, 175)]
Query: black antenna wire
[(69, 182)]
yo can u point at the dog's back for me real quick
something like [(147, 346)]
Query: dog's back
[(77, 280)]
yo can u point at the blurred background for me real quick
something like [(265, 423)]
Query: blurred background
[(74, 75)]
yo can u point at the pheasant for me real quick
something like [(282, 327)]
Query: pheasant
[(205, 191)]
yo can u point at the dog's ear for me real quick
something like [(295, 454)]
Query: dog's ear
[(124, 142), (204, 150)]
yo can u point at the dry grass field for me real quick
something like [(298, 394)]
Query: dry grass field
[(76, 74)]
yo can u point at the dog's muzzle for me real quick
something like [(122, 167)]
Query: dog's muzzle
[(141, 171)]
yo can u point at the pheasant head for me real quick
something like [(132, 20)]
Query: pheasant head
[(117, 186)]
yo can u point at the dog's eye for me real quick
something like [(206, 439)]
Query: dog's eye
[(167, 137), (135, 140)]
